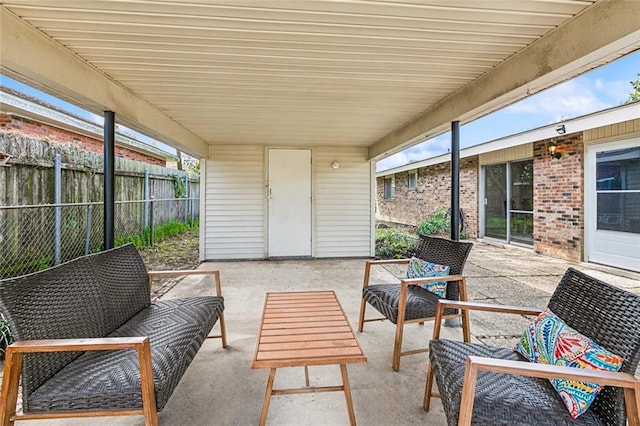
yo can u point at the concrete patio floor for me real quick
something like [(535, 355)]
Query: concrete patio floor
[(220, 388)]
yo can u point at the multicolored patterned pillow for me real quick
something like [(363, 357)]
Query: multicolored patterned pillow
[(419, 268), (549, 340)]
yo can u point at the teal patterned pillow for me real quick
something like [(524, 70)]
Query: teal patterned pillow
[(419, 268), (549, 340)]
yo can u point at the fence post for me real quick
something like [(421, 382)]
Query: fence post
[(146, 200), (87, 232), (57, 211), (191, 208), (186, 197), (151, 222)]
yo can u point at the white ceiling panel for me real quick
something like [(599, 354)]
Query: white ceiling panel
[(302, 72)]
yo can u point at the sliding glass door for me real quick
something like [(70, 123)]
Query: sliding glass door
[(510, 220), (521, 206), (495, 201)]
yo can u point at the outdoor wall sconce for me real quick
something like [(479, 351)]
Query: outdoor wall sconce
[(553, 151), (335, 165), (561, 129)]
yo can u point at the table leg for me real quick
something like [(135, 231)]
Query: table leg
[(347, 394), (267, 396), (306, 376)]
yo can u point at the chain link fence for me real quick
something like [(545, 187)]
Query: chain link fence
[(37, 237)]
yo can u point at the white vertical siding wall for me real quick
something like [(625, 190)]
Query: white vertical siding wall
[(617, 130), (343, 209), (234, 203)]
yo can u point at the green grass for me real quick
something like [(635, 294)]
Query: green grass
[(160, 233)]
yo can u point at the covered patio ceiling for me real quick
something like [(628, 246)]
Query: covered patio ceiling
[(376, 74)]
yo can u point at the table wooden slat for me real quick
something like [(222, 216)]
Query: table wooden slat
[(312, 318), (307, 331), (324, 353), (300, 313), (304, 337), (313, 344)]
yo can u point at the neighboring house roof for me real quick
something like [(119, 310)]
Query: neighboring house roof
[(618, 114), (20, 104)]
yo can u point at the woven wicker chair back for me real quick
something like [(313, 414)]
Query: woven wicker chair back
[(123, 278), (445, 252)]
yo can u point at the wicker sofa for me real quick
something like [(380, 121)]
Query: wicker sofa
[(89, 342)]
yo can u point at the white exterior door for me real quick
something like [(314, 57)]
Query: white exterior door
[(289, 195), (612, 204)]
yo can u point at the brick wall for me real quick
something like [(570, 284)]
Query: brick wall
[(55, 135), (558, 193), (411, 206)]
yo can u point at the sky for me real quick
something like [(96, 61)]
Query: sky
[(601, 88)]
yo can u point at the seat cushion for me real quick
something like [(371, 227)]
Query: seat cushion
[(420, 302), (111, 379), (500, 399)]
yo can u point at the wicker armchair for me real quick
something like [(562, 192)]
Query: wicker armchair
[(407, 302), (481, 384)]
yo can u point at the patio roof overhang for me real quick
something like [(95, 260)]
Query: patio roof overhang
[(381, 75)]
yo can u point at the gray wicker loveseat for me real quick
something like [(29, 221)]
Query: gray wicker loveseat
[(89, 342)]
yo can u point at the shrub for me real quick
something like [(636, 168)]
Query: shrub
[(394, 244), (437, 223), (5, 335)]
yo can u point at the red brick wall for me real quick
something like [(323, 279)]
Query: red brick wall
[(413, 205), (558, 193), (53, 134)]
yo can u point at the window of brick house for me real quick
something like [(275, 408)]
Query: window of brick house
[(412, 179), (389, 187), (618, 190)]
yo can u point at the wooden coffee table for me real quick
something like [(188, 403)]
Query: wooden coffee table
[(300, 329)]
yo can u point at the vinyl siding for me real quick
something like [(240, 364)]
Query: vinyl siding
[(613, 131), (343, 210), (234, 203), (513, 153)]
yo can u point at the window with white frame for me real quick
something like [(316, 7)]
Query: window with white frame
[(389, 187), (412, 180)]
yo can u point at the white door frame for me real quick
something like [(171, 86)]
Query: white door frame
[(590, 219)]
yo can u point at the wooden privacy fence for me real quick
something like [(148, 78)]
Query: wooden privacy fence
[(51, 202)]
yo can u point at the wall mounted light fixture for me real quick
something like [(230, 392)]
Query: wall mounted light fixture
[(335, 165), (561, 129), (553, 150)]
